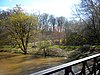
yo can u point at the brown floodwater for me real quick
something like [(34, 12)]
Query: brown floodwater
[(19, 64)]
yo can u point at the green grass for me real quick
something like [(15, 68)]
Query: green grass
[(67, 48), (6, 48), (72, 47), (54, 46), (98, 46), (34, 50)]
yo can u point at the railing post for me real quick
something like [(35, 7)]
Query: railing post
[(94, 66), (98, 67), (84, 73), (90, 72), (83, 69), (68, 70)]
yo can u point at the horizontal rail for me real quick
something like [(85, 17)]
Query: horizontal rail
[(64, 66)]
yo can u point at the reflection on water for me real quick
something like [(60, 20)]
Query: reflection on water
[(18, 64)]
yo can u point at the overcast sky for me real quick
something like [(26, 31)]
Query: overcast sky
[(55, 7)]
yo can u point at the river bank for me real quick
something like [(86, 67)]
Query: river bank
[(19, 64)]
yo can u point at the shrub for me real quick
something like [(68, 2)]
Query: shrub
[(44, 46), (62, 47), (85, 48)]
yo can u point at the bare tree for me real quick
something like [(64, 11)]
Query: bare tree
[(60, 22), (89, 12), (52, 20)]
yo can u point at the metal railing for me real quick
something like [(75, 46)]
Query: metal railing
[(86, 68)]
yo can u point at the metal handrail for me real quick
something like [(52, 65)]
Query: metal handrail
[(68, 66)]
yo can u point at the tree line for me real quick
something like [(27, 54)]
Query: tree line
[(18, 28)]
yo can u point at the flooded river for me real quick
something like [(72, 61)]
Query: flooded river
[(19, 64)]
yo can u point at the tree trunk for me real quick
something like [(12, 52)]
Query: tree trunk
[(23, 46), (44, 54), (25, 51), (53, 27)]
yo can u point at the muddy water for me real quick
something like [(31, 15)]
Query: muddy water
[(18, 64)]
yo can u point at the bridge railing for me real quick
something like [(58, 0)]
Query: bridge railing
[(86, 68)]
